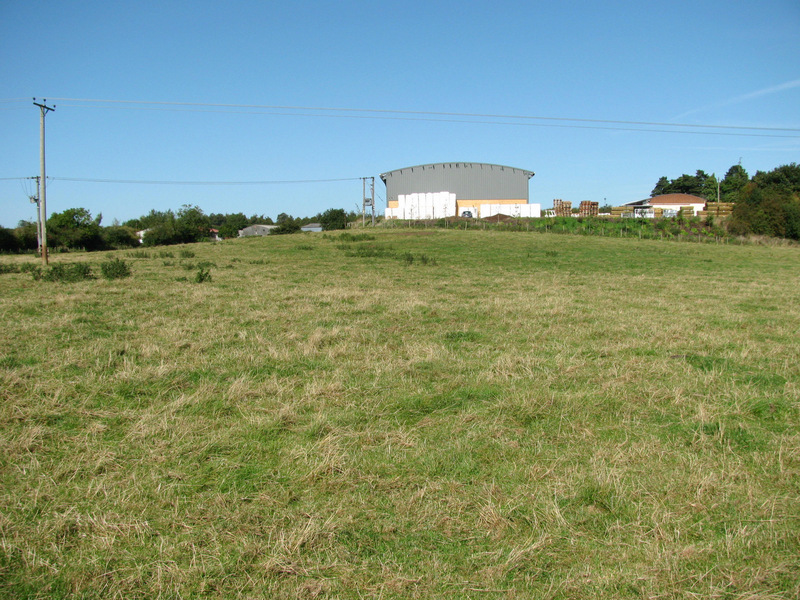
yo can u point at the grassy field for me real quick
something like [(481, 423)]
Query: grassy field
[(424, 414)]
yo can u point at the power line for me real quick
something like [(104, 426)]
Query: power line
[(474, 122), (218, 183), (430, 116)]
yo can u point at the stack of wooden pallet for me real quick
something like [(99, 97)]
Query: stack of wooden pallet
[(562, 208), (588, 208)]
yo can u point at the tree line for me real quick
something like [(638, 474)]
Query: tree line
[(768, 203), (75, 228), (728, 189)]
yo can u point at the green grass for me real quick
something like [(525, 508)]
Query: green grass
[(517, 415)]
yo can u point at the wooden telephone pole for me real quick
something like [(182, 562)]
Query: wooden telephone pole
[(44, 109), (368, 200)]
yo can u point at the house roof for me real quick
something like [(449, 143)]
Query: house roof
[(669, 200)]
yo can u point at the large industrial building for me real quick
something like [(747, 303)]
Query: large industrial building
[(440, 190)]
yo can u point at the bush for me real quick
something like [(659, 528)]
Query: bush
[(115, 269), (333, 218), (8, 241), (772, 212), (202, 275), (356, 237), (26, 235), (286, 227), (64, 273), (118, 236)]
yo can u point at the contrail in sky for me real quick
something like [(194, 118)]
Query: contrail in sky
[(745, 97)]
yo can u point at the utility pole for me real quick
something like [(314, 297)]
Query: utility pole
[(35, 200), (44, 109), (368, 200)]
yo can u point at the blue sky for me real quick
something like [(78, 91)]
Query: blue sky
[(194, 90)]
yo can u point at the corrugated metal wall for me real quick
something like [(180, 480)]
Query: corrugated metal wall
[(469, 181)]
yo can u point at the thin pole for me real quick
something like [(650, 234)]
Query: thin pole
[(39, 212), (44, 109), (372, 197)]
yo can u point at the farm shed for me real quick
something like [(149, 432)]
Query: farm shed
[(256, 230), (451, 189)]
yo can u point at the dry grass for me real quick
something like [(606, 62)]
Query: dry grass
[(524, 416)]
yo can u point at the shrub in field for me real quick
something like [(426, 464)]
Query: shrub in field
[(139, 254), (186, 253), (8, 268), (369, 251), (115, 269), (408, 258), (64, 273), (28, 268), (355, 237), (202, 275)]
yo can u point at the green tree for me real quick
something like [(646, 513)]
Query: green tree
[(192, 224), (661, 187), (695, 185), (260, 220), (333, 218), (74, 228), (119, 236), (166, 234), (286, 224), (231, 224), (732, 185), (710, 188), (785, 178), (27, 235), (769, 204), (8, 241)]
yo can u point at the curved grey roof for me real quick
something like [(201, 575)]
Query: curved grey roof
[(468, 180), (457, 165)]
